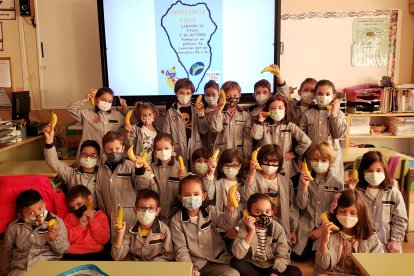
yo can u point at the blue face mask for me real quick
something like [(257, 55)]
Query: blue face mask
[(114, 157), (192, 202)]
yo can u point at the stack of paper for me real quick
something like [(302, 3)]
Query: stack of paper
[(360, 126), (404, 126)]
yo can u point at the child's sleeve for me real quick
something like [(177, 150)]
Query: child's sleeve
[(119, 254), (224, 220), (146, 181), (337, 125), (99, 227), (282, 258), (257, 130), (98, 194), (248, 189), (182, 253), (377, 246), (8, 245), (303, 125), (247, 140), (167, 123), (240, 248), (210, 186), (203, 124), (303, 140), (75, 110), (302, 199), (216, 125), (74, 230), (328, 260), (167, 252), (399, 220), (133, 139), (61, 244), (58, 166), (293, 209)]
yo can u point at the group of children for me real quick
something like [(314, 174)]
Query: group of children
[(171, 213)]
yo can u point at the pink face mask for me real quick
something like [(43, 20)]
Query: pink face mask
[(147, 120)]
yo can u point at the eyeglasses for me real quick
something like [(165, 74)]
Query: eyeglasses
[(144, 208), (234, 167), (92, 155)]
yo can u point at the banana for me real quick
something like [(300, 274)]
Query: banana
[(324, 218), (247, 215), (329, 107), (131, 154), (181, 163), (232, 196), (53, 121), (199, 102), (92, 100), (305, 168), (120, 216), (273, 70), (355, 170), (254, 157), (223, 98), (52, 223), (128, 117), (215, 154), (266, 114), (89, 204)]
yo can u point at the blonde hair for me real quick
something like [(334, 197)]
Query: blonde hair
[(322, 150)]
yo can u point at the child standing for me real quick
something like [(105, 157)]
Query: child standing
[(261, 94), (261, 247), (28, 239), (194, 231), (315, 197), (200, 162), (150, 238), (384, 201), (88, 230), (211, 97), (325, 122), (356, 235), (307, 96)]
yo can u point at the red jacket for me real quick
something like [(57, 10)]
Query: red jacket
[(88, 239)]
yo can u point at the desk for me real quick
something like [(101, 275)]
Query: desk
[(116, 268), (384, 264), (29, 167), (30, 148)]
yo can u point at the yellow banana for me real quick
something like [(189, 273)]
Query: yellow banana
[(89, 204), (131, 154), (273, 70), (223, 98), (199, 102), (266, 114), (324, 218), (305, 168), (247, 215), (52, 223), (329, 107), (215, 154), (355, 170), (120, 216), (92, 100), (181, 163), (53, 121), (232, 195), (254, 157), (128, 117)]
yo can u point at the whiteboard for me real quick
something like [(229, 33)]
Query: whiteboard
[(318, 45)]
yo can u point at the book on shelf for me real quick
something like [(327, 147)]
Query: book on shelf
[(397, 100)]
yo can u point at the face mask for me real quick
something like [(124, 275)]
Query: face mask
[(88, 162), (230, 172), (201, 168), (277, 114), (262, 99), (211, 100), (104, 106), (163, 155), (347, 221), (147, 120), (267, 169), (233, 102), (114, 157), (146, 217), (192, 202), (323, 101), (320, 167), (374, 178), (263, 220), (79, 212), (34, 220), (306, 97), (184, 99)]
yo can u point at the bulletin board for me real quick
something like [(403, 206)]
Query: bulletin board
[(320, 45)]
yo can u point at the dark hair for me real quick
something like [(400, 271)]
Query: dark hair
[(201, 152), (255, 198), (367, 160), (188, 179), (78, 191), (147, 194), (163, 136), (26, 199), (230, 85), (325, 83), (262, 83), (211, 84), (364, 228), (306, 81), (228, 156), (268, 150), (91, 143), (184, 83), (279, 98), (111, 136), (140, 106), (104, 90)]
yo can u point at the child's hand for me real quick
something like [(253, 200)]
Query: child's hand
[(195, 272), (128, 128), (220, 105), (273, 274), (52, 233), (293, 238), (49, 134), (316, 234), (83, 221), (231, 234), (181, 174), (261, 118), (352, 182), (230, 207), (122, 230), (253, 166), (249, 222), (289, 156), (123, 103), (335, 107), (91, 94), (138, 163), (212, 165), (304, 179), (394, 246), (89, 214), (325, 233)]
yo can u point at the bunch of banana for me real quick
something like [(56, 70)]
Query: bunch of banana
[(273, 70), (325, 218), (305, 168), (128, 117), (232, 195), (133, 158), (120, 216), (254, 157), (181, 163)]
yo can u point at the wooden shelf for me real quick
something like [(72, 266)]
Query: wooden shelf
[(401, 114)]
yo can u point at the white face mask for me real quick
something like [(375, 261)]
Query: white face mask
[(163, 155), (262, 99), (374, 178), (34, 220), (230, 172), (184, 99), (267, 169), (347, 221), (307, 97), (277, 114), (146, 217), (88, 162), (147, 120), (201, 168), (211, 100), (320, 167), (323, 101), (104, 106)]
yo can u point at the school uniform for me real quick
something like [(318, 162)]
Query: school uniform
[(199, 242), (296, 111), (388, 213), (208, 137), (288, 212), (312, 204), (283, 135), (233, 132), (25, 246), (157, 246), (184, 131), (142, 140), (338, 260), (218, 190), (320, 126), (96, 123)]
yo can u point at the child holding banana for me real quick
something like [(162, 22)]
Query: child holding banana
[(307, 97), (211, 97)]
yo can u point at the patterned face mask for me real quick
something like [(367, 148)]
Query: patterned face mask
[(263, 220), (192, 202)]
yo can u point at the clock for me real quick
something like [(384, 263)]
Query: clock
[(7, 5)]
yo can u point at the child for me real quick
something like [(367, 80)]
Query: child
[(194, 230), (101, 118), (325, 122), (232, 124), (89, 158), (28, 239), (356, 235), (150, 238), (261, 247), (261, 94), (384, 201), (181, 123), (163, 176), (211, 97), (315, 197), (116, 180), (307, 96), (275, 129), (200, 162), (88, 230), (270, 180)]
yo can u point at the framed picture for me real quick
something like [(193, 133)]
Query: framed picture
[(7, 5)]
